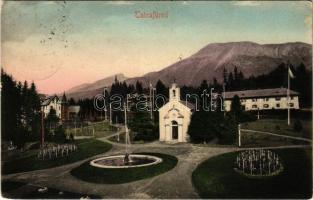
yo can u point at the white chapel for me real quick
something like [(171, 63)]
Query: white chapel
[(174, 117)]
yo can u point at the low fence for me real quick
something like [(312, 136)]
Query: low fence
[(241, 131)]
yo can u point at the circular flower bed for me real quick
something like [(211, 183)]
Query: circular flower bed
[(89, 173), (258, 163)]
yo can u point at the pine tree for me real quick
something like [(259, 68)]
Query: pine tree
[(230, 82), (139, 88), (225, 76), (161, 88)]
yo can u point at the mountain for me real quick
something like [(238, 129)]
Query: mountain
[(208, 63), (250, 58), (89, 90)]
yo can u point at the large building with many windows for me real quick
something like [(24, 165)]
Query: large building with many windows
[(263, 99)]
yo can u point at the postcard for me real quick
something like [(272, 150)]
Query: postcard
[(156, 99)]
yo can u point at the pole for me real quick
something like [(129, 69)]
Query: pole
[(75, 126), (126, 131), (288, 97), (110, 115), (105, 111), (239, 136), (150, 100), (224, 99), (42, 128)]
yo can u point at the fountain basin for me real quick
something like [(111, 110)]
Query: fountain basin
[(117, 161)]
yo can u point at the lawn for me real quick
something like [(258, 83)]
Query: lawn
[(122, 139), (30, 162), (97, 129), (216, 178), (8, 191), (10, 185), (89, 173), (277, 126)]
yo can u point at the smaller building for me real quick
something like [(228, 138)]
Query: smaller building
[(52, 102), (63, 111), (263, 99), (174, 118), (72, 112)]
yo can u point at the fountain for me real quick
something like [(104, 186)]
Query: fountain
[(126, 160)]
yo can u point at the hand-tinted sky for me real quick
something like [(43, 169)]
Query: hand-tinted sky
[(62, 44)]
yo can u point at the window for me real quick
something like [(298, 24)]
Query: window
[(278, 105), (254, 100), (265, 99), (265, 106), (277, 98), (291, 98), (291, 105), (254, 106)]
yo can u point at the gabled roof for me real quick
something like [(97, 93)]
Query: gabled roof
[(188, 104), (47, 101), (274, 92)]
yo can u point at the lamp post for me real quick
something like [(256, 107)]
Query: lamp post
[(42, 127), (224, 99), (239, 136), (150, 97)]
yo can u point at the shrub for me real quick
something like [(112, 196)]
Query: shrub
[(59, 136), (297, 126), (205, 126), (202, 126), (227, 131), (142, 125)]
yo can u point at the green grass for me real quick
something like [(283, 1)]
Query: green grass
[(54, 194), (277, 126), (280, 127), (101, 129), (89, 173), (122, 139), (30, 162), (8, 187), (216, 178)]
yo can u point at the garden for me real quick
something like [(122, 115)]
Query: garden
[(29, 160), (217, 178)]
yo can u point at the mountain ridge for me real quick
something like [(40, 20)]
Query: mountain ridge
[(209, 62)]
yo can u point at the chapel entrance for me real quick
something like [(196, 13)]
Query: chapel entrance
[(174, 130)]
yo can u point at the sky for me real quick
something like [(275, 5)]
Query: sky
[(59, 45)]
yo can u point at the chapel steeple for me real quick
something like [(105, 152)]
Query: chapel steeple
[(174, 92)]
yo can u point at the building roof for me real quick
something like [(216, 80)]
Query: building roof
[(273, 92), (47, 100), (188, 104)]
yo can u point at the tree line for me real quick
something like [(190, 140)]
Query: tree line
[(232, 81), (20, 104)]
